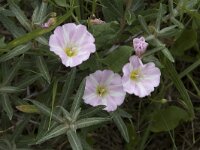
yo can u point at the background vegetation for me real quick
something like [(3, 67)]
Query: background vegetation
[(40, 99)]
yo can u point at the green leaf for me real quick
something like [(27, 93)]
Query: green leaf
[(187, 40), (10, 89), (59, 130), (20, 127), (61, 3), (74, 140), (27, 108), (42, 40), (41, 13), (124, 114), (167, 119), (91, 111), (66, 114), (13, 72), (28, 80), (41, 64), (2, 41), (144, 24), (104, 33), (159, 18), (7, 105), (67, 88), (86, 122), (19, 15), (15, 52), (112, 9), (118, 58), (120, 125), (47, 111), (11, 26), (78, 98), (180, 87)]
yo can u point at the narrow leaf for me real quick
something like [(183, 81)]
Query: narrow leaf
[(13, 72), (41, 64), (83, 123), (121, 126), (7, 105), (19, 15), (11, 27), (10, 89), (15, 52), (46, 111), (59, 130), (91, 111), (67, 88), (27, 108), (74, 140), (29, 80), (159, 18), (180, 87), (78, 98)]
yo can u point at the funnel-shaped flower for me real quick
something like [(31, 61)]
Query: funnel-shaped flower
[(140, 79), (104, 88), (140, 46), (72, 43)]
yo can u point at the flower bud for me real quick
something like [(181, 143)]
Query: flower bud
[(140, 46)]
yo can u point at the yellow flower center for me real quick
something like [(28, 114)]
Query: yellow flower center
[(101, 91), (134, 74), (70, 52)]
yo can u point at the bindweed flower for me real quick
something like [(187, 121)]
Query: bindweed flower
[(72, 43), (140, 46), (140, 79), (104, 88)]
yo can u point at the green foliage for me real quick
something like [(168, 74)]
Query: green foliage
[(167, 119), (41, 100), (118, 58), (186, 41)]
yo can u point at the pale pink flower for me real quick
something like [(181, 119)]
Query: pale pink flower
[(140, 79), (104, 88), (72, 43), (140, 46)]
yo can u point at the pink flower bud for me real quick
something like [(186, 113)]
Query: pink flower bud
[(96, 21), (140, 46), (49, 23)]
